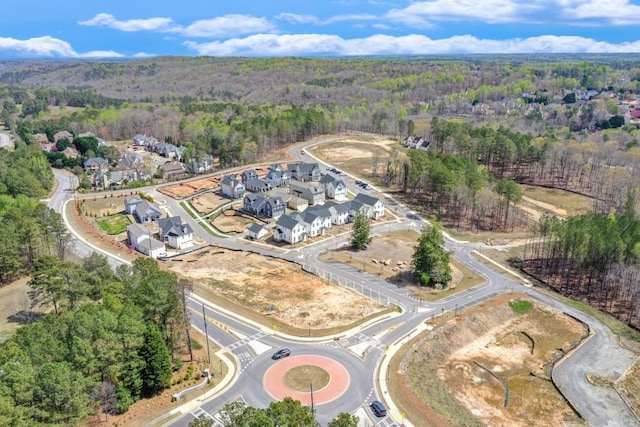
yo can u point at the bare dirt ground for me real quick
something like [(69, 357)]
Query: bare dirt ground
[(15, 306), (233, 221), (389, 256), (186, 189), (208, 202), (261, 283), (442, 368), (358, 156)]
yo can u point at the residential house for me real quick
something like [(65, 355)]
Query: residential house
[(257, 231), (63, 134), (175, 233), (339, 212), (414, 141), (141, 140), (260, 205), (254, 204), (248, 175), (131, 202), (373, 206), (147, 212), (41, 138), (231, 187), (277, 178), (305, 171), (170, 170), (334, 188), (257, 185), (290, 230), (200, 164), (94, 164), (297, 203), (71, 153), (141, 240), (274, 207), (316, 221), (168, 150), (314, 194), (277, 167)]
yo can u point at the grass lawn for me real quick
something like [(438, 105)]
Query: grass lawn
[(114, 224), (572, 204), (521, 306)]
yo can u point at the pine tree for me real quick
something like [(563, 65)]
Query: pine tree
[(157, 370), (360, 233), (430, 263)]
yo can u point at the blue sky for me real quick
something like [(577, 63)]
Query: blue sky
[(140, 28)]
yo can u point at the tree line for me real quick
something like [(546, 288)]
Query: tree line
[(111, 339)]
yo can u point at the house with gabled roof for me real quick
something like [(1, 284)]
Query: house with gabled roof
[(248, 174), (373, 206), (277, 167), (170, 170), (63, 134), (304, 171), (257, 185), (175, 233), (274, 207), (257, 231), (254, 203), (70, 153), (314, 194), (339, 212), (94, 164), (317, 221), (289, 229), (147, 212), (277, 178), (131, 202), (141, 240), (334, 188), (232, 187)]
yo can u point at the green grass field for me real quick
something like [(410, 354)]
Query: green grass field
[(572, 204), (114, 224)]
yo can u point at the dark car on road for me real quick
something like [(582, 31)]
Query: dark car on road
[(378, 408), (285, 352)]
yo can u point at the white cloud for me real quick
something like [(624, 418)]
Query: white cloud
[(131, 25), (576, 12), (615, 12), (143, 55), (295, 18), (491, 11), (228, 25), (48, 46), (415, 44)]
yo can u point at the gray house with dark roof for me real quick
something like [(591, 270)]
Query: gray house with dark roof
[(277, 178), (131, 202), (147, 212), (175, 233), (141, 240), (289, 229), (257, 231), (373, 205), (232, 187), (248, 174), (334, 188), (305, 171), (257, 185)]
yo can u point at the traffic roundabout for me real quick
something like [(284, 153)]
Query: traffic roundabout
[(297, 376)]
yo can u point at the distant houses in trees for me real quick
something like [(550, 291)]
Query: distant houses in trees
[(416, 142)]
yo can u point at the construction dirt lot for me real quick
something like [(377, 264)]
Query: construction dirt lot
[(274, 288), (187, 189), (208, 202), (454, 375)]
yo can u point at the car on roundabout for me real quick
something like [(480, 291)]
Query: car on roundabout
[(284, 352)]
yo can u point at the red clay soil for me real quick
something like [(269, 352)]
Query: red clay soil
[(338, 384)]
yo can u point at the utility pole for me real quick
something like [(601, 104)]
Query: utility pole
[(312, 409), (206, 334)]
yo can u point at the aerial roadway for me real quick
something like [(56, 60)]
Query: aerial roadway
[(357, 360)]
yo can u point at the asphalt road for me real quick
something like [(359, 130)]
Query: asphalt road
[(252, 345)]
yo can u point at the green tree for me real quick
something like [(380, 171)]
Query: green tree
[(61, 394), (157, 372), (202, 421), (360, 233), (430, 262), (510, 193), (291, 413), (344, 419)]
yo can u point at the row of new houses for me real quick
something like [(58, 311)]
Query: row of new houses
[(316, 220)]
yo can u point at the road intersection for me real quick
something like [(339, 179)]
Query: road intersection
[(365, 350)]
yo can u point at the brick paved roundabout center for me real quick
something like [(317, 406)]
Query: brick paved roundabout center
[(281, 379)]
